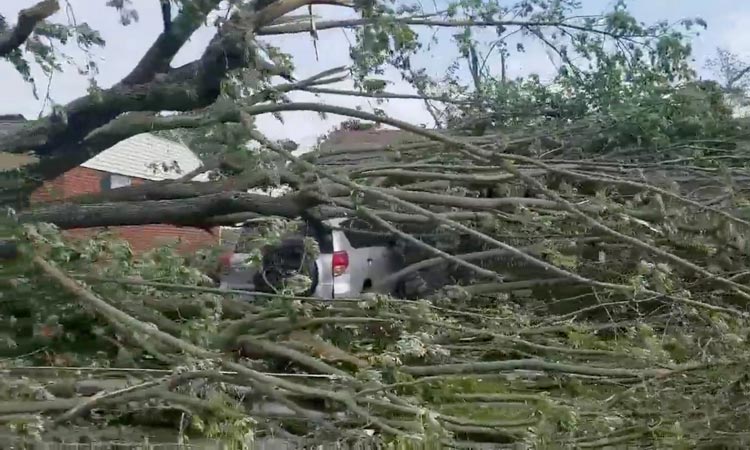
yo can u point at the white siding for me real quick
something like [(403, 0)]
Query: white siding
[(146, 156)]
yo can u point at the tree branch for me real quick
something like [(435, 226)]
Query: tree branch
[(136, 122), (389, 95), (192, 86), (304, 27), (174, 190), (27, 20), (163, 50), (279, 8), (541, 365)]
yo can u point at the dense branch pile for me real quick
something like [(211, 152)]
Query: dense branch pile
[(592, 302)]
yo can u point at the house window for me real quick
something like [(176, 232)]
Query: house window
[(114, 181)]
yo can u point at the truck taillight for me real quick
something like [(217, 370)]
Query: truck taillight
[(225, 260), (339, 263)]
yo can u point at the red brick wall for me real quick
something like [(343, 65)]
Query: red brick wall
[(82, 180)]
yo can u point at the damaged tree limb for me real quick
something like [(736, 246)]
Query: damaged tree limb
[(28, 19)]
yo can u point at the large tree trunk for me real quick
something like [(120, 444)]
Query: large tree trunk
[(197, 211)]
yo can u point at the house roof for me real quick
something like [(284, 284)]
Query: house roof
[(141, 156), (146, 156), (357, 147), (363, 139)]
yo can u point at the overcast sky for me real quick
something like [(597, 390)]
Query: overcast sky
[(728, 21)]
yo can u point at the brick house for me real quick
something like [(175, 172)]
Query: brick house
[(137, 160)]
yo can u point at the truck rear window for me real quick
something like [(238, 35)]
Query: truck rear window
[(361, 233), (252, 236)]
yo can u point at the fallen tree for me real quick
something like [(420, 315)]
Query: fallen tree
[(581, 265), (600, 327)]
